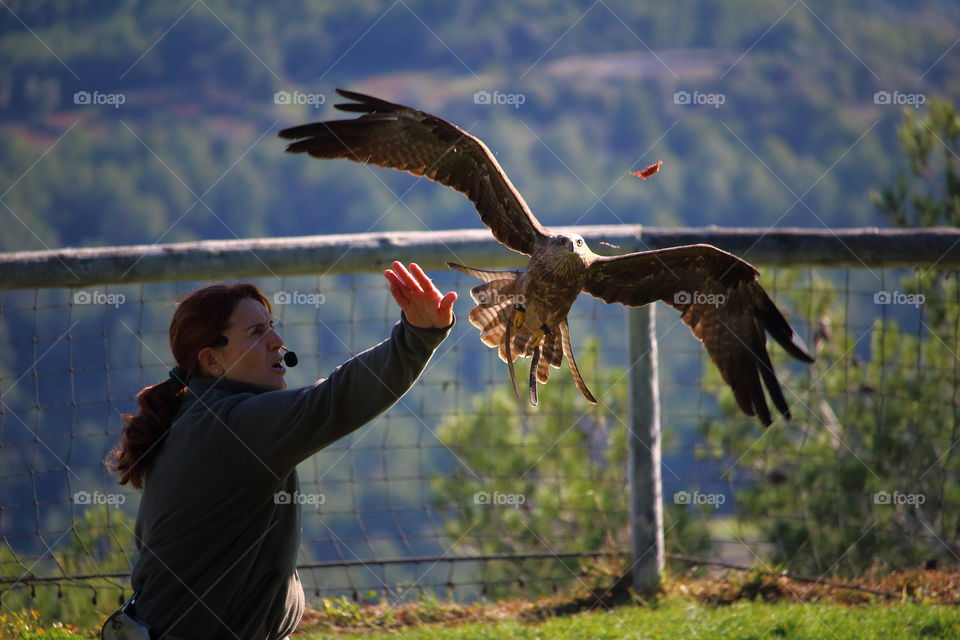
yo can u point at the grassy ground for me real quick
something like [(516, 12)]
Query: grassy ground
[(672, 618), (678, 617), (732, 606)]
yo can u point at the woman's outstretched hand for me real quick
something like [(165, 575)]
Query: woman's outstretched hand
[(419, 299)]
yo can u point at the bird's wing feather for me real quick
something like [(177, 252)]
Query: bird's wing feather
[(398, 137), (721, 301)]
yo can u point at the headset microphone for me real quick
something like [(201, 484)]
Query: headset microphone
[(289, 358)]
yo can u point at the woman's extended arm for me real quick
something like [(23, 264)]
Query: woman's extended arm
[(283, 428)]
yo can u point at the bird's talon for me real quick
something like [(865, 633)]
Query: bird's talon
[(537, 339), (519, 314)]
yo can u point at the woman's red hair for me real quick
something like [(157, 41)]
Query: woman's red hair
[(198, 322)]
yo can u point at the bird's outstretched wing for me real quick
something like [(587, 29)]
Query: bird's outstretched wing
[(398, 137), (723, 304)]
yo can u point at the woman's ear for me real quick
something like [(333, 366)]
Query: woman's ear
[(210, 364)]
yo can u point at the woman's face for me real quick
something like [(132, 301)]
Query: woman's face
[(252, 353)]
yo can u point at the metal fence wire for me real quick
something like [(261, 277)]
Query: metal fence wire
[(463, 490)]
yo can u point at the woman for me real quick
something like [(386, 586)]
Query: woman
[(216, 445)]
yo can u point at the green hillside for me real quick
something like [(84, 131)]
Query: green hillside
[(198, 115)]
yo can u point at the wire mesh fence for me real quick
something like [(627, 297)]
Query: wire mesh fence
[(461, 489)]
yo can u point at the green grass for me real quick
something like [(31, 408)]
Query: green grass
[(672, 618), (676, 618)]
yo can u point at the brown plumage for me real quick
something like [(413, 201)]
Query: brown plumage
[(524, 313)]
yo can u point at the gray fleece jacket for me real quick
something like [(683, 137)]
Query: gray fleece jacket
[(217, 550)]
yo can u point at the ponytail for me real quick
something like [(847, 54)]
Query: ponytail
[(140, 438)]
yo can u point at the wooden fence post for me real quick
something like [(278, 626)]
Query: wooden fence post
[(643, 451)]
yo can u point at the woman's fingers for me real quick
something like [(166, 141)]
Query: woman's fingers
[(399, 295), (397, 289), (394, 278), (423, 279), (405, 276), (419, 298)]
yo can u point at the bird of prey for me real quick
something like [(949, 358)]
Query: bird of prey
[(523, 313)]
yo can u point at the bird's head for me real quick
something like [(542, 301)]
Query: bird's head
[(575, 248), (573, 243)]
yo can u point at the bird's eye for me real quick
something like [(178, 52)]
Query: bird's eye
[(579, 243)]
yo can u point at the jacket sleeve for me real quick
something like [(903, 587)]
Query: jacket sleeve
[(283, 428)]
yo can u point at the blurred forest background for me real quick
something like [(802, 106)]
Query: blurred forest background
[(598, 79), (141, 122)]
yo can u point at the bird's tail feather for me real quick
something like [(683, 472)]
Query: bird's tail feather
[(521, 345), (509, 357), (495, 306), (568, 352), (552, 355), (491, 322), (495, 300), (494, 293), (534, 367)]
